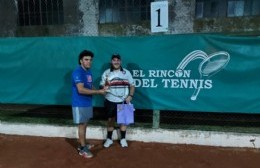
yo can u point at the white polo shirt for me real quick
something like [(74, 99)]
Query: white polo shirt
[(118, 83)]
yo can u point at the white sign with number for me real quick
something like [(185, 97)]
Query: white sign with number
[(159, 16)]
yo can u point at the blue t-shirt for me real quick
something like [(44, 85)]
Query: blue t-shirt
[(81, 75)]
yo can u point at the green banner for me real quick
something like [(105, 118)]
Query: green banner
[(205, 73)]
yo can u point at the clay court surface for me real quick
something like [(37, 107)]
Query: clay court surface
[(42, 152)]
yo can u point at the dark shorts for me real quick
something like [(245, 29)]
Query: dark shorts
[(111, 108)]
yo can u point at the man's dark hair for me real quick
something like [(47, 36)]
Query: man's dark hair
[(85, 53)]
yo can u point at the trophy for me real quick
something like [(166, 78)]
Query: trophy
[(107, 84)]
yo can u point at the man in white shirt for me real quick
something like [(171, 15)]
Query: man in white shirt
[(120, 84)]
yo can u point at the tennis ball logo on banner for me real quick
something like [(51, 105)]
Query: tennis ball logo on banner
[(181, 77)]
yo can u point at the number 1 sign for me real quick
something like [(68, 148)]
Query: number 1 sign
[(159, 16)]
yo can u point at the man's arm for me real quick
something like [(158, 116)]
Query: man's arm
[(83, 90), (132, 91), (131, 94)]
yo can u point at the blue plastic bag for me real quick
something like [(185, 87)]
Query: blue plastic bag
[(125, 114)]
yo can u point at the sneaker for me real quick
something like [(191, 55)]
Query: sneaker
[(85, 153), (123, 143), (89, 146), (108, 143)]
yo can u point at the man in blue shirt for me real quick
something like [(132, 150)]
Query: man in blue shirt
[(82, 91)]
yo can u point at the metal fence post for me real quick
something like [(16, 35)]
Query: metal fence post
[(156, 118)]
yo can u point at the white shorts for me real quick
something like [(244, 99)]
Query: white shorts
[(82, 114)]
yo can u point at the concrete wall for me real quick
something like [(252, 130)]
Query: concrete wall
[(72, 24), (181, 16), (196, 137), (8, 18), (81, 19), (89, 18), (235, 25)]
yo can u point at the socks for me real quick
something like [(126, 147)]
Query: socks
[(123, 134), (109, 134)]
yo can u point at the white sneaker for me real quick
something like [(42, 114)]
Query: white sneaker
[(123, 143), (108, 143)]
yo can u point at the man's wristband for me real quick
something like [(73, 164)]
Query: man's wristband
[(131, 96)]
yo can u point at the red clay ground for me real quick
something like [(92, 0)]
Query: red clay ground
[(40, 152)]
